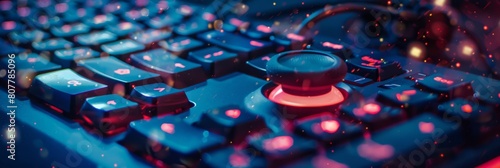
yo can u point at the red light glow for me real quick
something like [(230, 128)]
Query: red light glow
[(168, 128), (466, 108), (371, 108), (233, 113), (278, 143), (330, 126), (256, 43), (442, 80), (263, 28), (374, 151), (332, 45), (426, 127), (331, 98), (295, 37), (9, 25), (239, 160)]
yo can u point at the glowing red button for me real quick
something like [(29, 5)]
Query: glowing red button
[(330, 126), (466, 108), (371, 108)]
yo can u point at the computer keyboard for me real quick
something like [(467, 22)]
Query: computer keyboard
[(164, 83)]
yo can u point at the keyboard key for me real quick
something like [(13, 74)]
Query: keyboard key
[(164, 21), (215, 61), (447, 85), (70, 30), (119, 76), (234, 24), (27, 66), (111, 113), (95, 38), (290, 41), (151, 35), (280, 148), (137, 15), (257, 67), (26, 37), (79, 14), (372, 114), (413, 100), (231, 122), (330, 45), (327, 129), (191, 27), (246, 47), (231, 158), (122, 47), (475, 120), (52, 44), (175, 71), (357, 80), (116, 7), (67, 58), (375, 69), (64, 90), (124, 28), (99, 21), (258, 31), (158, 99), (416, 77), (11, 26), (183, 141), (181, 45)]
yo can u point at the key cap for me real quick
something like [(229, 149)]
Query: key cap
[(474, 120), (95, 38), (151, 137), (99, 21), (257, 67), (191, 27), (357, 80), (243, 46), (119, 76), (65, 91), (215, 61), (11, 26), (26, 37), (231, 158), (151, 35), (70, 30), (289, 41), (122, 47), (181, 45), (79, 14), (258, 31), (44, 21), (137, 15), (234, 24), (159, 99), (26, 67), (111, 113), (327, 129), (124, 28), (280, 148), (51, 44), (447, 85), (175, 71), (418, 140), (116, 7), (330, 45), (231, 122), (164, 21), (488, 95), (67, 58), (416, 77), (9, 48), (413, 100), (372, 114), (375, 69)]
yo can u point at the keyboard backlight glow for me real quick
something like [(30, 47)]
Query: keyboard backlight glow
[(442, 80), (426, 127), (9, 25), (330, 126), (168, 128), (371, 108), (331, 98), (332, 45), (256, 43), (466, 108), (264, 28), (295, 37), (278, 143), (233, 113)]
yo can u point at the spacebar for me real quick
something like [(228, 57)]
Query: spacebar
[(46, 140)]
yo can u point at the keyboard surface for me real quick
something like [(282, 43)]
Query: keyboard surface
[(165, 83)]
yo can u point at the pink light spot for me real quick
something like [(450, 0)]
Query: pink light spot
[(168, 128), (66, 28), (295, 37), (321, 161), (374, 151), (208, 16), (61, 7), (100, 19), (207, 56), (278, 143), (235, 22), (466, 108), (146, 57), (332, 45), (442, 80), (43, 19), (371, 108), (6, 5), (186, 10), (185, 42), (9, 25), (111, 102), (179, 65), (233, 113), (122, 71), (264, 28), (125, 25), (219, 53), (23, 11), (498, 95), (32, 60), (495, 162), (409, 92), (331, 98), (426, 127), (159, 89), (330, 126), (239, 160), (81, 12), (265, 58), (256, 43)]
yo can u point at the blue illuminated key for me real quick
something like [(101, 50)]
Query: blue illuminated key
[(183, 141), (159, 99), (231, 122), (52, 44), (373, 68), (449, 85), (11, 26), (27, 66), (191, 27), (164, 21), (124, 28), (120, 77), (99, 21), (257, 67), (78, 15), (215, 61), (64, 90), (28, 36), (68, 57), (232, 158), (151, 35), (411, 99), (372, 114), (70, 30), (95, 38), (111, 113), (181, 45), (122, 47), (175, 71), (247, 47), (138, 15)]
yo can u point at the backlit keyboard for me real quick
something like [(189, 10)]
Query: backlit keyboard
[(165, 83)]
